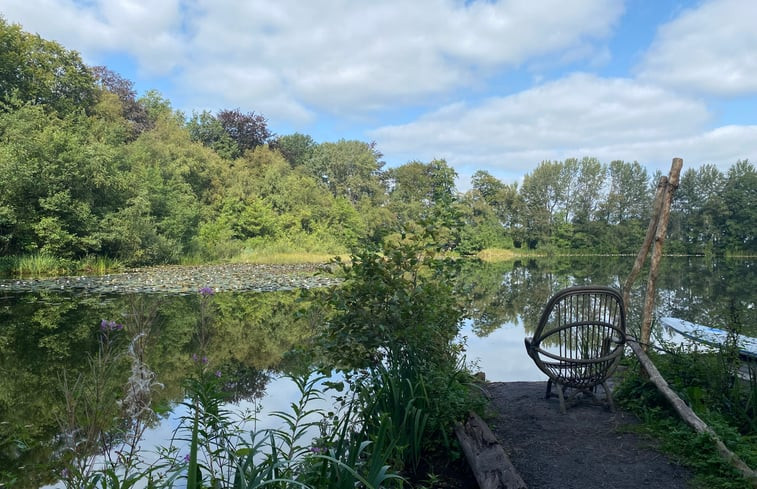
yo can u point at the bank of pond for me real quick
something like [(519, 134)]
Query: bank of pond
[(170, 383)]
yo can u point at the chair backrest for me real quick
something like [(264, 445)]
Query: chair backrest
[(580, 336)]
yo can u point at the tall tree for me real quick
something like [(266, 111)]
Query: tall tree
[(131, 109), (205, 128), (350, 169), (629, 196), (247, 130), (34, 70), (296, 148), (740, 197), (545, 195)]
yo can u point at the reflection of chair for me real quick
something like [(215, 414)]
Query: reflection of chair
[(579, 340)]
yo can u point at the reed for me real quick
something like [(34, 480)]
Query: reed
[(40, 265), (99, 265)]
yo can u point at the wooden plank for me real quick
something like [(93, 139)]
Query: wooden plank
[(487, 459)]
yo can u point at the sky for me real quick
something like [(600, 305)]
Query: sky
[(495, 85)]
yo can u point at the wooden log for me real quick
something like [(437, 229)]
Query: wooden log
[(659, 240), (689, 416), (487, 459), (641, 257)]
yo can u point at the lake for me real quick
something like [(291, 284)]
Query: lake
[(52, 337)]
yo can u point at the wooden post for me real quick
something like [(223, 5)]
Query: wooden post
[(662, 188), (659, 240)]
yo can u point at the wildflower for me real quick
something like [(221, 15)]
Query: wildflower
[(206, 291), (186, 458), (317, 450), (204, 360), (111, 325), (194, 357), (218, 374)]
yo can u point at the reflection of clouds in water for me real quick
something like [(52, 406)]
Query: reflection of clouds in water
[(281, 392), (502, 355)]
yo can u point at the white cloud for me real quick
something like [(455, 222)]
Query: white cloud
[(710, 49), (150, 32), (340, 56), (580, 115)]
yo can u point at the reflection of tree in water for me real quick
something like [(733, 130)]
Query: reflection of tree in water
[(719, 293), (714, 292), (245, 382)]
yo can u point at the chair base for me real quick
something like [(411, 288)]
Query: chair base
[(584, 392)]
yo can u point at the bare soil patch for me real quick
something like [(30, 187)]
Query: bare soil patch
[(589, 447)]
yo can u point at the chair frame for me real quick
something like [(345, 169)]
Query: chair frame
[(587, 325)]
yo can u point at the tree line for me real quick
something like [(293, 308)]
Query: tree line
[(89, 168)]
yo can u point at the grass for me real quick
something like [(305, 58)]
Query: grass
[(40, 265), (495, 255), (281, 258), (45, 265)]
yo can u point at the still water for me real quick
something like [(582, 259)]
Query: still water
[(51, 339)]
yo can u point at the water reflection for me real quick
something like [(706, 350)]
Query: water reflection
[(44, 333)]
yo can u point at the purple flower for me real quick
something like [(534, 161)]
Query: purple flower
[(194, 357), (218, 374), (206, 291), (111, 325), (317, 450), (204, 359), (186, 458)]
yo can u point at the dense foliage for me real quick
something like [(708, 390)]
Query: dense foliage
[(88, 168)]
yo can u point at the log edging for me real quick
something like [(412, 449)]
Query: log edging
[(487, 459)]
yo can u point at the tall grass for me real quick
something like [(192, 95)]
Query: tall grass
[(41, 265), (46, 265), (99, 265)]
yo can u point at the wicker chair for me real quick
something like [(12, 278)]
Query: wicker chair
[(579, 341)]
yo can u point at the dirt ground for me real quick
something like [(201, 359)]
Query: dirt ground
[(589, 447)]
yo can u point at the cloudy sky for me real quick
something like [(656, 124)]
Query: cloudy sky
[(498, 85)]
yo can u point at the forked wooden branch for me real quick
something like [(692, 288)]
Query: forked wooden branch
[(659, 240)]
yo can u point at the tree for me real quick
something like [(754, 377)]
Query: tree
[(545, 195), (34, 70), (209, 131), (350, 169), (698, 210), (629, 196), (57, 180), (296, 148), (246, 130), (131, 109), (740, 197)]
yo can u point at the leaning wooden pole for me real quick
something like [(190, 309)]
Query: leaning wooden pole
[(689, 416), (662, 188), (659, 240)]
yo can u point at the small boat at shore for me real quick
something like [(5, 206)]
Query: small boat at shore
[(711, 336)]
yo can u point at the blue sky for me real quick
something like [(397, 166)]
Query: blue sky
[(492, 85)]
